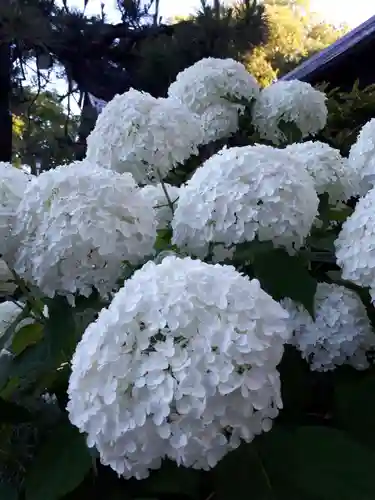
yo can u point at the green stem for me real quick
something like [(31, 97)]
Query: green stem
[(38, 308), (170, 204), (264, 471), (326, 257)]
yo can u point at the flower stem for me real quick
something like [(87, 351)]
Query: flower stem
[(170, 203), (38, 308)]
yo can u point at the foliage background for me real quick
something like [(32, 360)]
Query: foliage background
[(271, 37)]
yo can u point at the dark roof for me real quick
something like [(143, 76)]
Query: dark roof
[(353, 53)]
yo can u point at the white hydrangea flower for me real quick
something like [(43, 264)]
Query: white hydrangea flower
[(77, 224), (49, 398), (340, 334), (155, 194), (206, 88), (355, 245), (13, 182), (362, 158), (181, 365), (26, 169), (210, 81), (244, 193), (219, 121), (289, 101), (328, 168), (145, 136)]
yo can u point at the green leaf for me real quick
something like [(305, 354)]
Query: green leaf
[(291, 132), (320, 463), (56, 347), (340, 215), (283, 275), (296, 388), (322, 257), (13, 413), (60, 466), (325, 242), (323, 209), (173, 480), (6, 363), (240, 472), (86, 310), (164, 240), (60, 331), (6, 337), (355, 407), (26, 336), (246, 252), (7, 492)]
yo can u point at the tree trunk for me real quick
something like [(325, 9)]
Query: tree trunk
[(156, 13), (217, 8), (5, 88)]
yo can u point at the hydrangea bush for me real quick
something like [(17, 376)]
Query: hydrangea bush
[(188, 313)]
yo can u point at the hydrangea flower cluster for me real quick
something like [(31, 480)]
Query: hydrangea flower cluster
[(145, 136), (362, 158), (219, 121), (181, 365), (244, 193), (77, 224), (292, 102), (340, 333), (209, 87), (156, 195), (13, 183), (330, 171), (211, 81), (355, 245)]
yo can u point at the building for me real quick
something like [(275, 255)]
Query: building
[(350, 58)]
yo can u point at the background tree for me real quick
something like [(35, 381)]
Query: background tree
[(44, 131), (94, 57), (33, 30), (295, 33), (215, 31)]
